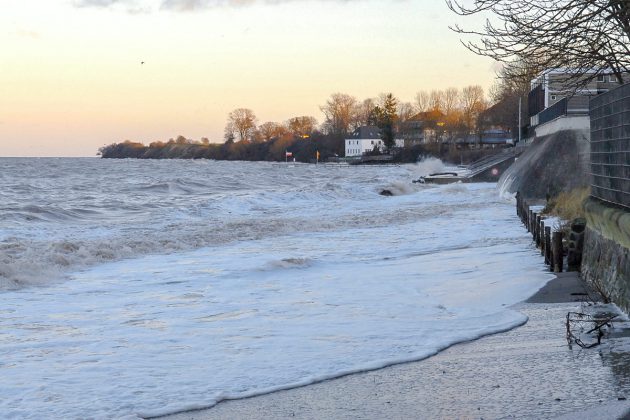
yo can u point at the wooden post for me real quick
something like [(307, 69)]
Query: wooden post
[(556, 243), (529, 220), (533, 223), (538, 231), (518, 203), (548, 246), (542, 237)]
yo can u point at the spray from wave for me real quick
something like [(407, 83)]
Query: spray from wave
[(427, 166)]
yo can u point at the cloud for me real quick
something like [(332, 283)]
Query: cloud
[(130, 6), (98, 3), (175, 5), (192, 5)]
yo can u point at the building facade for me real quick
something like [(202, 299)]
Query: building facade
[(556, 89), (366, 139)]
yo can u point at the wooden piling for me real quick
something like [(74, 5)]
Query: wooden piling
[(556, 244), (533, 228), (548, 245), (541, 238)]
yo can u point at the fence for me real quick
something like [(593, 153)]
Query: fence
[(554, 111), (610, 146)]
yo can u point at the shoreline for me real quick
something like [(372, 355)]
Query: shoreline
[(528, 371)]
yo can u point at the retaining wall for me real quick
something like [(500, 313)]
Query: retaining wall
[(606, 258)]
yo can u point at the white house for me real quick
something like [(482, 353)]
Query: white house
[(364, 139)]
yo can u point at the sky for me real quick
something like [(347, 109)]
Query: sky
[(71, 78)]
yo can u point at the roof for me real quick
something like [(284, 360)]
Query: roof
[(427, 116), (366, 132)]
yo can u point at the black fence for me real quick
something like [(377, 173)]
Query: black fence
[(610, 146), (554, 111)]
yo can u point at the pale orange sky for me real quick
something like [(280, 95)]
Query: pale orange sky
[(71, 79)]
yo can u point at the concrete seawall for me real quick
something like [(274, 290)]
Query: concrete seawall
[(553, 163), (606, 258)]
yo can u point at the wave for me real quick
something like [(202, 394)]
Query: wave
[(501, 322), (287, 263), (130, 209)]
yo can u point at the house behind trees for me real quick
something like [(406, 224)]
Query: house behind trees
[(422, 128)]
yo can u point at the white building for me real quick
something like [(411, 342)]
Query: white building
[(569, 85), (364, 139)]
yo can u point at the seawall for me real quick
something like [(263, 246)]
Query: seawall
[(552, 163), (606, 257), (559, 159)]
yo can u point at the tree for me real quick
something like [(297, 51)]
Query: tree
[(472, 103), (271, 130), (364, 112), (589, 35), (302, 126), (422, 101), (512, 85), (436, 101), (405, 112), (340, 114), (241, 122), (386, 118), (229, 133)]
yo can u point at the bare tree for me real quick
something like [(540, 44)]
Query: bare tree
[(365, 112), (302, 126), (592, 35), (340, 113), (451, 100), (422, 101), (271, 130), (405, 111), (229, 133), (472, 103), (436, 101), (241, 122)]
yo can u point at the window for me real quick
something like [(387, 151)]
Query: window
[(601, 78), (553, 97)]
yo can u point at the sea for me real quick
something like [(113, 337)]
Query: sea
[(135, 288)]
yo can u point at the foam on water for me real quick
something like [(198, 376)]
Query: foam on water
[(176, 294)]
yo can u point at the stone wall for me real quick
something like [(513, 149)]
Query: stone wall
[(606, 258)]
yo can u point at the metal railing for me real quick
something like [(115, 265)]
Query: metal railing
[(554, 111), (610, 146)]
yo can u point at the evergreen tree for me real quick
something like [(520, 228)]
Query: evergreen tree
[(386, 117)]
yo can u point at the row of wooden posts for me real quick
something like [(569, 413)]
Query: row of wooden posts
[(550, 243)]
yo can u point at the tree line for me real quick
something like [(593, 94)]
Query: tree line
[(245, 138)]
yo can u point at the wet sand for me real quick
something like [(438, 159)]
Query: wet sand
[(527, 373)]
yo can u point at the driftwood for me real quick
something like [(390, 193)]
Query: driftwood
[(579, 324)]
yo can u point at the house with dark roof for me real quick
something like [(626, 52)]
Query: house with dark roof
[(365, 139)]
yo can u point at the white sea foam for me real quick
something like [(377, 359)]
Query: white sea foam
[(176, 297), (427, 166)]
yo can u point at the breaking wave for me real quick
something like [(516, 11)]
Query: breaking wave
[(69, 214)]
